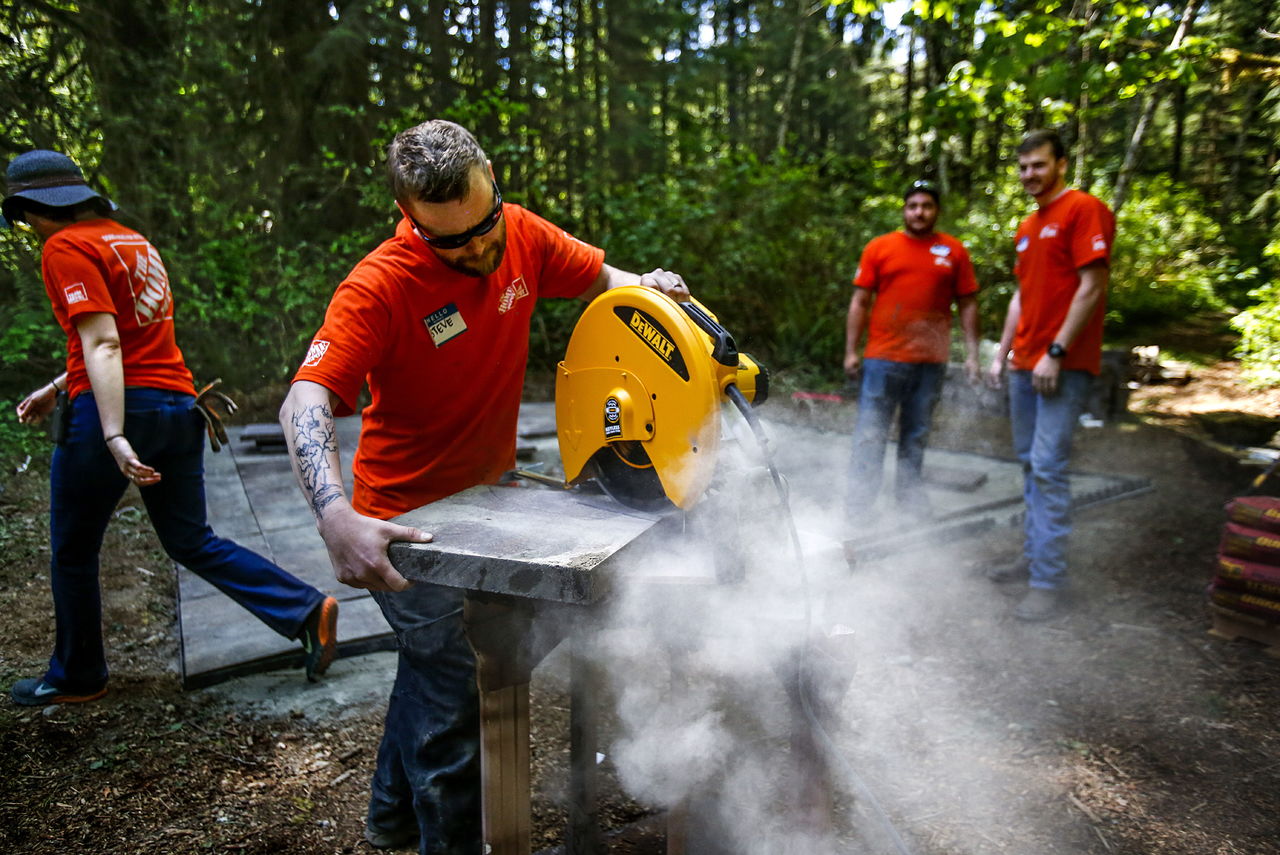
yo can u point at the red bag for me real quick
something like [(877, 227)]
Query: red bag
[(1261, 512), (1239, 601), (1251, 544), (1240, 575)]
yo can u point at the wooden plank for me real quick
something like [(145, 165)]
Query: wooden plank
[(582, 837), (1232, 626), (504, 780)]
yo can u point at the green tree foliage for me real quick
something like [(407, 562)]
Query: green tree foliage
[(753, 145)]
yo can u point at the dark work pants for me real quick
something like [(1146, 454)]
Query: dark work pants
[(85, 486), (428, 767)]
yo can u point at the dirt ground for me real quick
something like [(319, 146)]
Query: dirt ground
[(1133, 732)]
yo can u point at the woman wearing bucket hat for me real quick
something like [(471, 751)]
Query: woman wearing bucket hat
[(131, 419)]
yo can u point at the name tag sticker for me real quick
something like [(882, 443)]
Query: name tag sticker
[(445, 323)]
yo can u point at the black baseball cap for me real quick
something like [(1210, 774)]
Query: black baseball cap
[(924, 185)]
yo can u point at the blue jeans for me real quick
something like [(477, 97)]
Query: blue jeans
[(85, 486), (911, 389), (428, 767), (1042, 428)]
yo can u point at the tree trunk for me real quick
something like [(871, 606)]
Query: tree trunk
[(903, 144), (1179, 129), (793, 71), (1125, 177)]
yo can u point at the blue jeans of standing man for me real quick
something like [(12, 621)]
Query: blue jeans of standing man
[(1042, 428), (428, 768), (85, 485), (911, 389)]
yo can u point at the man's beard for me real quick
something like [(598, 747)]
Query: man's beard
[(482, 266)]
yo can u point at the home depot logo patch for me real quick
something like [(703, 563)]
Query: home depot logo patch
[(315, 353), (148, 280), (515, 291), (76, 293)]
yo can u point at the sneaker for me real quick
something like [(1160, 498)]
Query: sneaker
[(320, 638), (1039, 604), (1018, 571), (37, 693), (399, 837)]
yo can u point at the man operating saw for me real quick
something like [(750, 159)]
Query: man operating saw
[(436, 321)]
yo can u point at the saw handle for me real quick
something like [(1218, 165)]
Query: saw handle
[(724, 349)]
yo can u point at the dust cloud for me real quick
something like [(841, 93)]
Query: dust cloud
[(708, 637)]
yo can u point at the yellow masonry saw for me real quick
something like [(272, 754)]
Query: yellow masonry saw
[(639, 395)]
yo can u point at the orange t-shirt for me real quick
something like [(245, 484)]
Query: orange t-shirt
[(915, 281), (102, 266), (444, 356), (1053, 243)]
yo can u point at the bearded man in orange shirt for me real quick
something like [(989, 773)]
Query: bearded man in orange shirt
[(906, 282), (435, 321), (1053, 339)]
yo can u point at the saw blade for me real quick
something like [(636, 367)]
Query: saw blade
[(623, 470)]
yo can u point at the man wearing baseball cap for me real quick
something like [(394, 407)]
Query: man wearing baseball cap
[(130, 417), (905, 285)]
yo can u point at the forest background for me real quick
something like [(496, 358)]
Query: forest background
[(752, 146)]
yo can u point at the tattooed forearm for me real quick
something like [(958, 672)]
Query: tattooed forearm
[(314, 439)]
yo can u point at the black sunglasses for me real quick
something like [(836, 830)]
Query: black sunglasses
[(461, 239)]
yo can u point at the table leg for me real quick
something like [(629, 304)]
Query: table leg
[(582, 837)]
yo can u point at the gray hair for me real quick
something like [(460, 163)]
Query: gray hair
[(433, 161)]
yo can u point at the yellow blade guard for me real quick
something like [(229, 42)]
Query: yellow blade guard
[(638, 396)]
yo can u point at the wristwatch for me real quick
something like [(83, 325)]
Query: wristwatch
[(1057, 351)]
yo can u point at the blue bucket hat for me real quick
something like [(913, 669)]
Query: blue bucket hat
[(46, 177)]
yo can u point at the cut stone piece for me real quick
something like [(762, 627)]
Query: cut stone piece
[(522, 541)]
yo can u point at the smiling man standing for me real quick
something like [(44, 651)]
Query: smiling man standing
[(436, 321), (905, 285), (1053, 332)]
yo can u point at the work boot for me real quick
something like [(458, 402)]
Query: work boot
[(33, 692), (1039, 604), (319, 638), (404, 836), (1018, 571)]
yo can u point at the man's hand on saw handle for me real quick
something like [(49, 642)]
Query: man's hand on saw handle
[(669, 283), (358, 548)]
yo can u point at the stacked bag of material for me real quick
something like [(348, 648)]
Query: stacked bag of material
[(1247, 584)]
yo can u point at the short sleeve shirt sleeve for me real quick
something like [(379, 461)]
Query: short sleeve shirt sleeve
[(347, 345), (1091, 233), (569, 265), (75, 282), (966, 280), (868, 273)]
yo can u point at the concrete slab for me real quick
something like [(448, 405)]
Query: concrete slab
[(534, 542)]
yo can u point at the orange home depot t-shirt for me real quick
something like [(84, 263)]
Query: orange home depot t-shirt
[(444, 356), (915, 281), (1053, 243), (102, 266)]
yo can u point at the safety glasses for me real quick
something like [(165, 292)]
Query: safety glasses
[(461, 239)]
